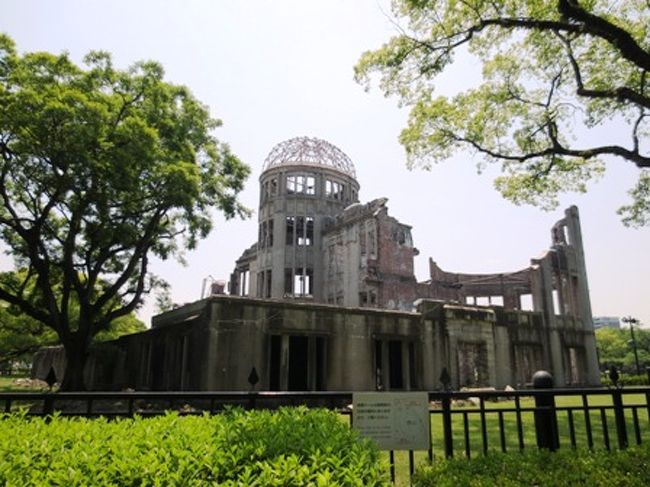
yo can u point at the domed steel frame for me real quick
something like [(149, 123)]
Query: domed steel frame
[(309, 151)]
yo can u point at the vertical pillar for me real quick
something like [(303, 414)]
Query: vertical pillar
[(386, 366), (311, 363), (582, 295), (183, 382), (284, 363), (405, 366), (542, 291), (429, 377)]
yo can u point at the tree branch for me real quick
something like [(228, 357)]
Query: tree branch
[(137, 294), (24, 306), (613, 34), (556, 149), (621, 94), (139, 253)]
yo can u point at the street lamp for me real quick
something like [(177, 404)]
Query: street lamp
[(633, 321)]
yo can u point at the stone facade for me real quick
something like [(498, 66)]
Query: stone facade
[(327, 299), (215, 343)]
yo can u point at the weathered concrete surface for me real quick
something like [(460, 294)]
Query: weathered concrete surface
[(213, 344), (356, 255), (316, 290)]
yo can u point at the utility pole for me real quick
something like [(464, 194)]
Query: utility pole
[(632, 321)]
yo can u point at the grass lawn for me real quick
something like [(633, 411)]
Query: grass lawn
[(493, 438), (7, 384)]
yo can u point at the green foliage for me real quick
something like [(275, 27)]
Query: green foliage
[(21, 335), (124, 325), (549, 67), (615, 348), (626, 380), (259, 448), (566, 467), (99, 169)]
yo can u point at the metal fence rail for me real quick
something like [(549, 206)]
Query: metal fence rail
[(462, 423)]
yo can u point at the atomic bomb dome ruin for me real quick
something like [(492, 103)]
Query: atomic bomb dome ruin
[(326, 299)]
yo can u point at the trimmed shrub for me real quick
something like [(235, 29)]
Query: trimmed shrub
[(622, 468), (626, 380), (291, 446)]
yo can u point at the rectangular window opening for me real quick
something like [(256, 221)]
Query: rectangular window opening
[(496, 300), (288, 281), (372, 244), (334, 189), (244, 283), (269, 280), (300, 184), (291, 221), (526, 302), (363, 299), (304, 230), (300, 230), (291, 184), (309, 231), (310, 186), (556, 302)]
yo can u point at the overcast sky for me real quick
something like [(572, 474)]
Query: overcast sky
[(275, 70)]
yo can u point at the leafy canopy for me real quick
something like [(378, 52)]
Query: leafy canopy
[(99, 169), (21, 336), (549, 67), (615, 348)]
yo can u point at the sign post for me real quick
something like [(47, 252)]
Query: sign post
[(393, 420)]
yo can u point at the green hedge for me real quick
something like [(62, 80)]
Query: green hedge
[(566, 467), (292, 446), (627, 380)]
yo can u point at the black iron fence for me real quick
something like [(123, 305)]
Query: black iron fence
[(463, 423)]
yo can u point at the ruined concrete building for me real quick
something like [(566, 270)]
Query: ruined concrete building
[(326, 299)]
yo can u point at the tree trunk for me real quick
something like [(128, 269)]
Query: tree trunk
[(73, 379)]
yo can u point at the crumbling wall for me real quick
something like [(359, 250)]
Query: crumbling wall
[(499, 289), (369, 259)]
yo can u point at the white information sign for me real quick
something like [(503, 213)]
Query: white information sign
[(394, 420)]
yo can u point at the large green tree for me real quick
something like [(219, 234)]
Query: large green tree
[(100, 168), (615, 348), (551, 69), (21, 335)]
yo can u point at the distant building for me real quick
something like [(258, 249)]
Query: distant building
[(606, 322), (326, 299)]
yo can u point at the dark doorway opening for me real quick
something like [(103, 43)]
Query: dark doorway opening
[(298, 363), (395, 363)]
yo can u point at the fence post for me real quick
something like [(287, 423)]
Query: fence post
[(446, 426), (619, 414), (545, 417), (252, 400)]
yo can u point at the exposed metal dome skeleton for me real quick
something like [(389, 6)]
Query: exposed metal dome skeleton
[(309, 151)]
